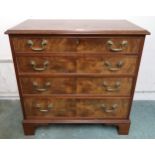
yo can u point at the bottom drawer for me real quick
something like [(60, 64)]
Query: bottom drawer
[(49, 108), (102, 108)]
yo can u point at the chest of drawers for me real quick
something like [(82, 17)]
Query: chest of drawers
[(76, 71)]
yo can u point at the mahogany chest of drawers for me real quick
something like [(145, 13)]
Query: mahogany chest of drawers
[(76, 71)]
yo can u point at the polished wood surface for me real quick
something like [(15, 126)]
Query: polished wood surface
[(75, 44), (54, 65), (77, 86), (40, 108), (97, 86), (77, 27), (77, 108), (53, 44), (81, 71), (106, 108), (107, 65), (55, 86)]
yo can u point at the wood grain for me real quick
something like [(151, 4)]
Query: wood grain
[(77, 64), (77, 86), (77, 27), (55, 65), (93, 108), (57, 85), (77, 108), (96, 86), (98, 65), (75, 44)]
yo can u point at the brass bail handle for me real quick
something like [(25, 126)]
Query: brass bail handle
[(41, 89), (117, 66), (49, 107), (113, 88), (43, 44), (35, 68), (122, 46), (109, 109)]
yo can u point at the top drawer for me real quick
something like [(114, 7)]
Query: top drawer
[(76, 44)]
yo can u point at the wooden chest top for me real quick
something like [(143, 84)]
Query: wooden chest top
[(100, 27)]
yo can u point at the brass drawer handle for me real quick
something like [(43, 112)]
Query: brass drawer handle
[(34, 66), (109, 109), (49, 107), (122, 45), (43, 44), (38, 88), (108, 88), (118, 65)]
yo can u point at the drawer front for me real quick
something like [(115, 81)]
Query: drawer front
[(104, 86), (109, 45), (62, 44), (108, 65), (47, 85), (49, 107), (76, 108), (92, 86), (45, 65), (103, 108), (44, 44)]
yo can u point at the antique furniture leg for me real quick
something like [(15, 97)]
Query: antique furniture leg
[(29, 128), (123, 128)]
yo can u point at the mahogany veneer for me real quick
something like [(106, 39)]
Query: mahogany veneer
[(76, 71)]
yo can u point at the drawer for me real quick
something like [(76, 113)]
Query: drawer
[(102, 108), (105, 86), (92, 86), (47, 85), (107, 65), (66, 44), (109, 45), (44, 44), (45, 64), (43, 108), (49, 107)]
